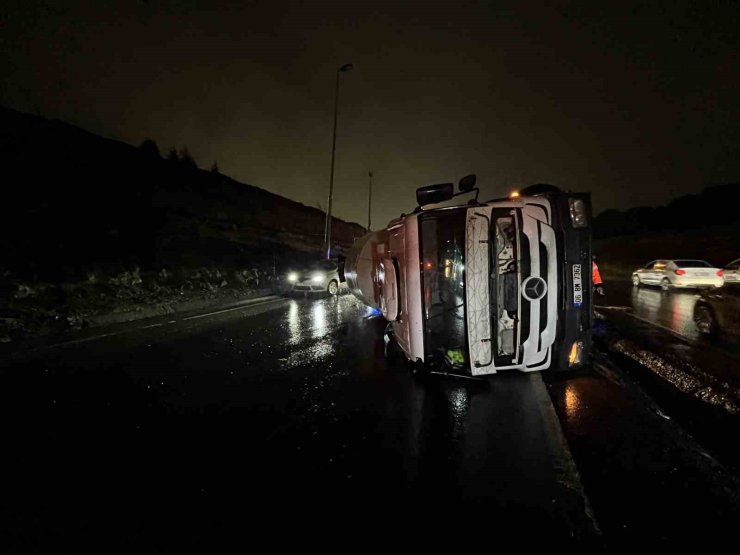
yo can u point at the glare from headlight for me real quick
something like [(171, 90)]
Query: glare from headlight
[(578, 216), (292, 277), (576, 352), (317, 277)]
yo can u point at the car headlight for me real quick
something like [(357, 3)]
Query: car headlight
[(292, 277), (578, 216), (317, 278)]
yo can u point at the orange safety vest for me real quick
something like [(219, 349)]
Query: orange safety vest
[(595, 275)]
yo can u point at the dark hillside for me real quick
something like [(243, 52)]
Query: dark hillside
[(77, 202), (704, 226), (618, 257), (717, 205), (94, 230)]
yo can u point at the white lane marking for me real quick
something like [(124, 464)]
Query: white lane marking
[(122, 332), (227, 310), (75, 341)]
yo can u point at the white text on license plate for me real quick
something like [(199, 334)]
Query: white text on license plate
[(577, 285)]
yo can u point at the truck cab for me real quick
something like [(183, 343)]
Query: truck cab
[(483, 287)]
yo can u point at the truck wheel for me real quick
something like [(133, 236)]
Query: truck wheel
[(391, 350), (333, 288), (705, 321)]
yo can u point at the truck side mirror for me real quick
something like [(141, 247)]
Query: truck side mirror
[(432, 194), (467, 183)]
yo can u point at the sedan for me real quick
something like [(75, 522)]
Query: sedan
[(320, 277), (672, 274), (718, 312), (732, 272)]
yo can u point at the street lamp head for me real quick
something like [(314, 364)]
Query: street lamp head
[(345, 68)]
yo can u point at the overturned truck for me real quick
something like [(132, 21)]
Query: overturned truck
[(483, 286)]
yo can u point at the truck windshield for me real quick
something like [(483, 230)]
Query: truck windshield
[(442, 237)]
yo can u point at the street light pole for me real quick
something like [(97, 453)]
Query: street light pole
[(369, 199), (327, 226)]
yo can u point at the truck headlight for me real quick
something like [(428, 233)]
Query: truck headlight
[(292, 277), (578, 216), (316, 278), (576, 353)]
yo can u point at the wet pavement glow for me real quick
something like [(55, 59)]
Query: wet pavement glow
[(289, 414), (284, 407), (672, 309), (648, 481)]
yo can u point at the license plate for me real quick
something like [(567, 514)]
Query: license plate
[(577, 285)]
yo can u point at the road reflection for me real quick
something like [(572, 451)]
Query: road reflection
[(318, 320), (673, 310), (440, 433), (310, 324), (294, 324), (572, 401)]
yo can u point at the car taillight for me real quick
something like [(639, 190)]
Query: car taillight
[(679, 272), (720, 273)]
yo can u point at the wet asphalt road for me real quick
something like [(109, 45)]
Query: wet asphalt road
[(672, 311), (657, 463), (284, 412), (650, 481), (662, 323), (285, 418)]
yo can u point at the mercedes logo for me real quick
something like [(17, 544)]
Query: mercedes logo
[(534, 288)]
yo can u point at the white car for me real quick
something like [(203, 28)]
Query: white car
[(732, 272), (321, 277), (671, 274)]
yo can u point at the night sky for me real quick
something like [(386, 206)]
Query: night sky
[(635, 102)]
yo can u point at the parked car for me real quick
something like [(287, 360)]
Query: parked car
[(732, 272), (718, 312), (323, 276), (670, 274)]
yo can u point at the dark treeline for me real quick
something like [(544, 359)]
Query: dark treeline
[(72, 202), (716, 205)]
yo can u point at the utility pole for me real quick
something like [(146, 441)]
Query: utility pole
[(369, 199), (327, 226)]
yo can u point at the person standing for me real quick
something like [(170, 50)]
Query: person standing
[(596, 280)]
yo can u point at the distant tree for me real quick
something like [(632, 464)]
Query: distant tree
[(172, 155), (214, 167), (186, 158), (149, 147)]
